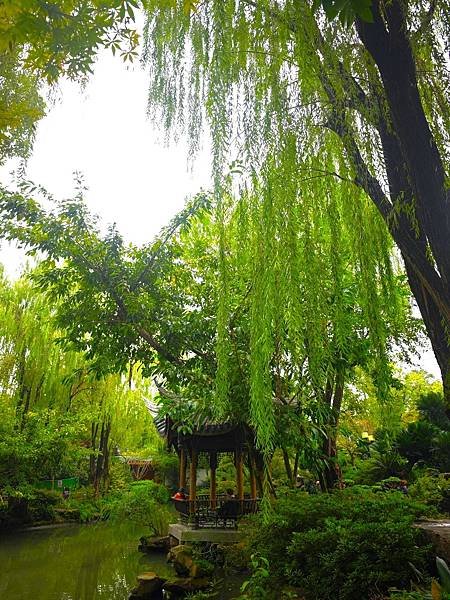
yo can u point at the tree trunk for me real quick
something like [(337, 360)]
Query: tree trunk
[(330, 474), (391, 50), (102, 461), (287, 466), (296, 461), (414, 168), (92, 461)]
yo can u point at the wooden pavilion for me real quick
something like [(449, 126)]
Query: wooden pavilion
[(213, 439)]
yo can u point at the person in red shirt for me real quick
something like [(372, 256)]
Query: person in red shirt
[(180, 495)]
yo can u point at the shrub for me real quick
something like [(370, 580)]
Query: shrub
[(154, 490), (88, 510), (26, 504), (166, 468), (256, 587), (344, 545), (120, 476), (433, 491), (145, 503), (441, 451), (41, 506), (415, 443), (379, 466), (355, 557), (432, 408)]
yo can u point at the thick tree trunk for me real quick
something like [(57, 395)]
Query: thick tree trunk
[(412, 241), (416, 176), (432, 319), (391, 50)]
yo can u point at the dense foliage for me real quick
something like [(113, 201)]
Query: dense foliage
[(145, 502), (59, 419), (312, 107), (277, 300), (345, 545), (164, 306)]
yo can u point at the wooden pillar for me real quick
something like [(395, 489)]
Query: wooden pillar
[(252, 469), (193, 480), (240, 474), (213, 486), (182, 479)]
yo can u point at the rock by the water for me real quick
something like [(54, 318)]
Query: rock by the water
[(438, 532), (181, 558), (67, 514), (149, 587), (182, 586), (186, 565), (154, 544)]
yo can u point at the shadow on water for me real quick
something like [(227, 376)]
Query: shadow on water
[(77, 562)]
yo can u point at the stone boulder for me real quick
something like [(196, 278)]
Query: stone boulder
[(149, 587), (150, 543), (438, 533), (181, 559), (186, 565)]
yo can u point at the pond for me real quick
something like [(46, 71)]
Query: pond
[(75, 562)]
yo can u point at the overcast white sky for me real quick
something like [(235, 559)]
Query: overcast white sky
[(133, 179), (102, 131)]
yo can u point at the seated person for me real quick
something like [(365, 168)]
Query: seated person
[(180, 495), (230, 495)]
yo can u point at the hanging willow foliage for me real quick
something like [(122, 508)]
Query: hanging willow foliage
[(40, 380), (260, 70), (312, 262), (275, 82)]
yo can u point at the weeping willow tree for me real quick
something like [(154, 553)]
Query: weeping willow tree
[(58, 418), (310, 276), (366, 103), (33, 367)]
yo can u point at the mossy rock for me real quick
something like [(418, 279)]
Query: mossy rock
[(150, 543), (186, 564), (149, 587)]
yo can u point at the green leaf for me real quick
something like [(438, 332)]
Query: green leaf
[(444, 573)]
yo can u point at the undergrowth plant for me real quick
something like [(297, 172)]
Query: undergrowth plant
[(345, 545)]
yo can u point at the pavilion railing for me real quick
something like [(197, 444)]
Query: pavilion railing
[(201, 512)]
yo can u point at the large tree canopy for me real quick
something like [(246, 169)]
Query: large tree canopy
[(21, 106), (63, 38), (289, 293), (366, 102)]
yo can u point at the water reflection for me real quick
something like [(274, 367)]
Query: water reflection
[(74, 563)]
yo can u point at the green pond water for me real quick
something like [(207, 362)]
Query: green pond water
[(74, 562)]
